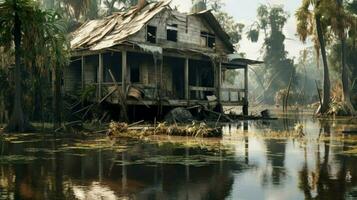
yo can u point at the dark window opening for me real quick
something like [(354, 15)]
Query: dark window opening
[(151, 34), (172, 32), (135, 74), (112, 62), (208, 39)]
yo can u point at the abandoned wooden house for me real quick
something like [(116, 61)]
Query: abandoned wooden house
[(153, 56)]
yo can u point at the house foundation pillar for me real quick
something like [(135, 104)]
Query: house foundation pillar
[(245, 103)]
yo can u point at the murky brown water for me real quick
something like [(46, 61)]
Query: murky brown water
[(253, 164)]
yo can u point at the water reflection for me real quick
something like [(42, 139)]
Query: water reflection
[(242, 165)]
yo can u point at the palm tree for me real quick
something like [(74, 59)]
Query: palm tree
[(58, 56), (11, 23), (310, 24), (22, 25)]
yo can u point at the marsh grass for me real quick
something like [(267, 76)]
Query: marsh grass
[(16, 159)]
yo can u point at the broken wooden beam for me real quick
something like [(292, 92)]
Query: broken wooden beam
[(108, 95), (122, 98)]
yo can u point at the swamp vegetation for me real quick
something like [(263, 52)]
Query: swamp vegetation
[(28, 72), (307, 152)]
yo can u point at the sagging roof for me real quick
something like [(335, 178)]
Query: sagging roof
[(113, 30)]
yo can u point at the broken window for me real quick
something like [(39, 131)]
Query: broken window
[(151, 34), (208, 39), (172, 32)]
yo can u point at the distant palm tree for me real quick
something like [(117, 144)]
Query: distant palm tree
[(310, 24)]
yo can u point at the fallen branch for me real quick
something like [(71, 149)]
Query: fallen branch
[(136, 123), (220, 114), (80, 110), (86, 113)]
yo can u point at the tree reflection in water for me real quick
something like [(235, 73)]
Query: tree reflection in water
[(241, 165)]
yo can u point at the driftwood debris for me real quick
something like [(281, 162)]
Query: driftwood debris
[(70, 126), (81, 110), (121, 127), (108, 95), (220, 115), (193, 130)]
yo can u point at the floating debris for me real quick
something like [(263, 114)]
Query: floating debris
[(193, 130), (117, 128)]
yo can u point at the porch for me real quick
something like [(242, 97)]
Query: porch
[(169, 79)]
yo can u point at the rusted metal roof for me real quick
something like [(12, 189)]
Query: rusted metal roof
[(113, 30)]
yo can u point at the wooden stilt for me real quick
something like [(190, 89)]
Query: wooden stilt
[(246, 103), (187, 89), (83, 72), (124, 70), (100, 76), (219, 81)]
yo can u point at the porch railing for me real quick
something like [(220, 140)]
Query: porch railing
[(200, 93), (232, 94), (196, 92), (148, 89)]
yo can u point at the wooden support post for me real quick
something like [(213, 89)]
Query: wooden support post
[(197, 93), (100, 76), (187, 82), (124, 71), (246, 103), (161, 70), (83, 73), (219, 81)]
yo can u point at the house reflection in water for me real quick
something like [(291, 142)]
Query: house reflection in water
[(241, 165)]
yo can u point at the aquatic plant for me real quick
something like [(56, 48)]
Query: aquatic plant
[(299, 129)]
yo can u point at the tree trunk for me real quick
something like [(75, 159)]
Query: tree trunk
[(345, 77), (323, 109), (57, 114), (18, 122), (345, 81)]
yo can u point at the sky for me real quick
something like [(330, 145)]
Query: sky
[(244, 11)]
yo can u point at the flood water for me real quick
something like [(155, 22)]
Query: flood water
[(253, 164)]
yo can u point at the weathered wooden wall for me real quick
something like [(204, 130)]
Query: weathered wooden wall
[(73, 74), (90, 69), (189, 32)]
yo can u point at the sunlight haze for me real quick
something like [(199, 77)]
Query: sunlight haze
[(245, 12)]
